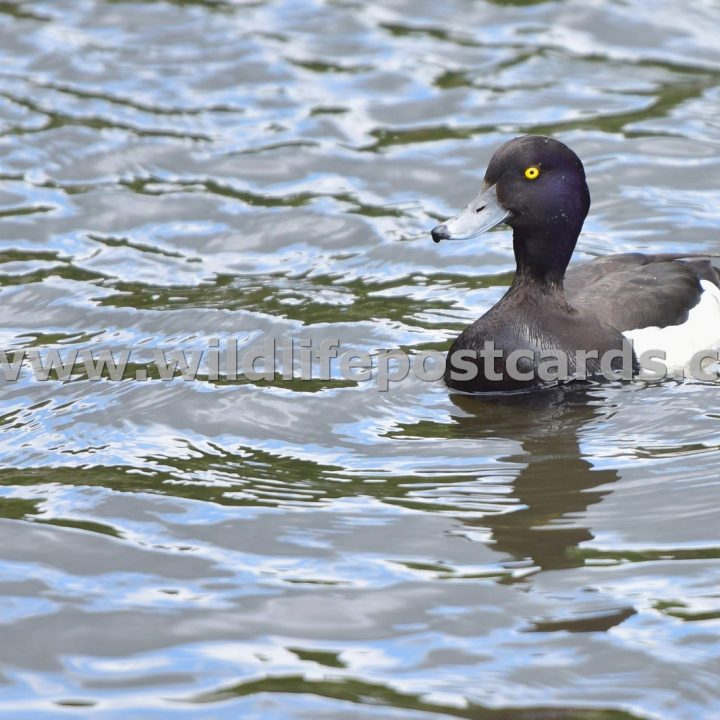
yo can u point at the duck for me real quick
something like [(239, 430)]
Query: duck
[(613, 317)]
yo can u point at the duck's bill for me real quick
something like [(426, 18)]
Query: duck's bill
[(481, 215)]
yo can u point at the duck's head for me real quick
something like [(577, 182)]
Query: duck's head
[(537, 186)]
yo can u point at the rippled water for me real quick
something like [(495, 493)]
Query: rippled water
[(177, 171)]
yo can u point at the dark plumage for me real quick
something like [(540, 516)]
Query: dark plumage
[(662, 287), (537, 186)]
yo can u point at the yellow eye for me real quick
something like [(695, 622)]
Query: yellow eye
[(532, 172)]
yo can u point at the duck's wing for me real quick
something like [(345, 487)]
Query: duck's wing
[(633, 291)]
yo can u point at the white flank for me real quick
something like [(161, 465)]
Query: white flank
[(701, 331)]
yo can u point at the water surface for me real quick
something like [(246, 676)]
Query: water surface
[(173, 172)]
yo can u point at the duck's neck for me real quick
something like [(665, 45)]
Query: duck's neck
[(542, 257)]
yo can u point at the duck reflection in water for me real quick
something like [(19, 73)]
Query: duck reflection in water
[(556, 483)]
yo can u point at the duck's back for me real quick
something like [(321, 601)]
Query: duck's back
[(667, 305), (633, 291)]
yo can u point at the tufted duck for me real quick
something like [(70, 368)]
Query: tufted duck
[(663, 302)]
